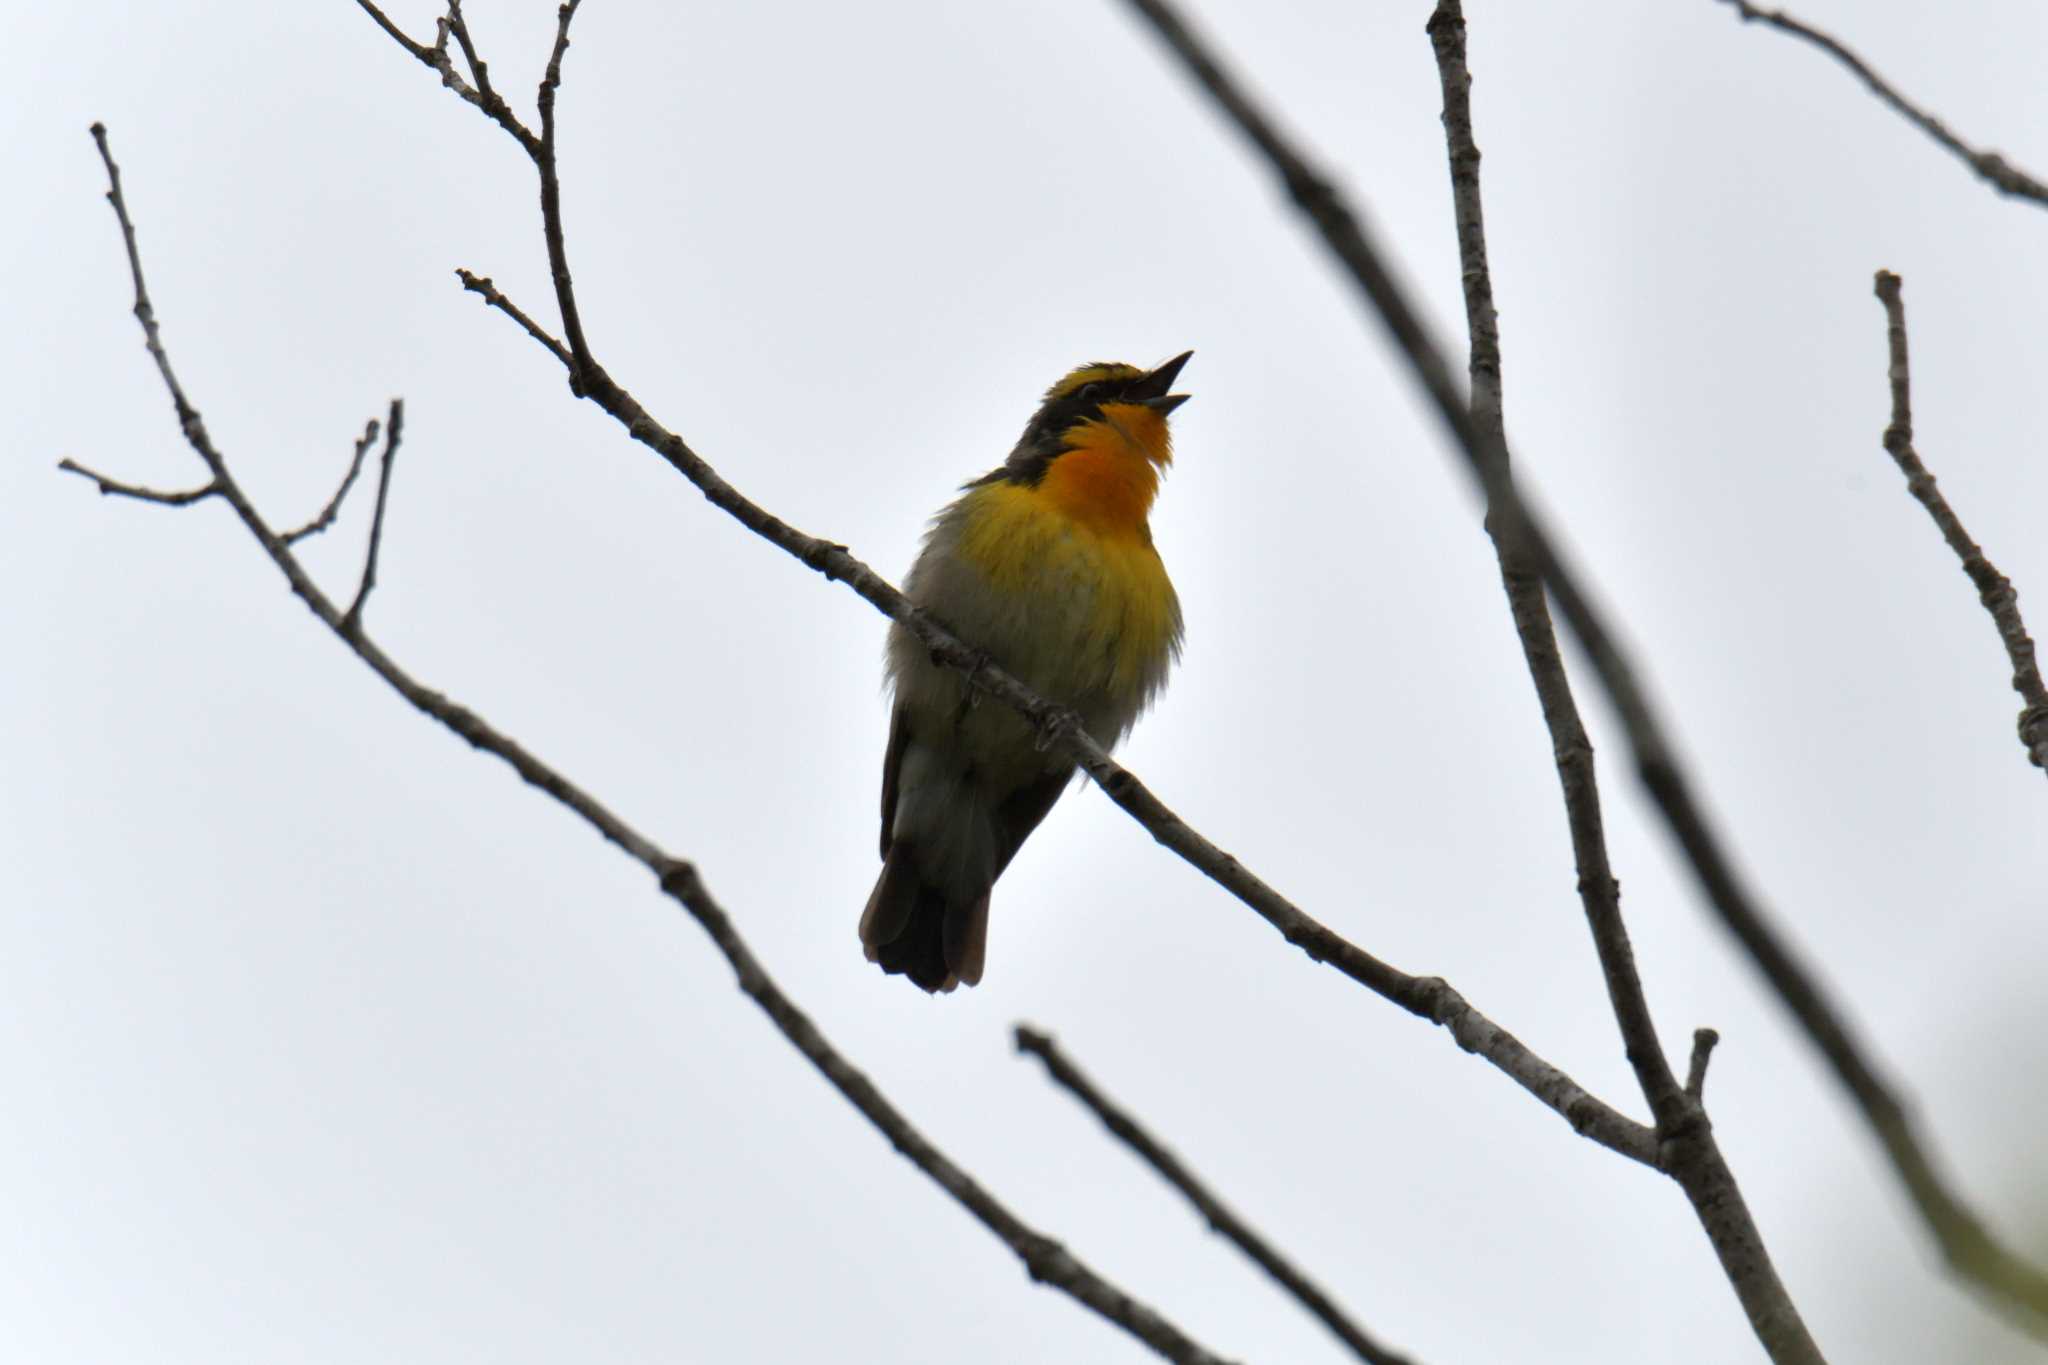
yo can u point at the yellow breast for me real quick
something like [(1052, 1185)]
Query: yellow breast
[(1089, 607)]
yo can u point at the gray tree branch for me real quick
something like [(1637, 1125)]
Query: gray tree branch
[(393, 432), (2001, 174), (1690, 1154), (1429, 998), (1044, 1258), (1994, 589), (115, 488), (1219, 1215), (327, 514), (1657, 766), (1966, 1243)]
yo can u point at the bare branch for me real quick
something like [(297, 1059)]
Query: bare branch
[(1220, 1218), (436, 57), (551, 79), (479, 73), (551, 206), (1691, 1155), (348, 480), (1430, 998), (115, 488), (1599, 892), (1044, 1259), (2003, 176), (397, 35), (1657, 765), (393, 429), (1965, 1242), (1994, 589), (493, 298), (1704, 1041), (189, 423)]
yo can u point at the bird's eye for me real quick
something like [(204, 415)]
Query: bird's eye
[(1089, 393)]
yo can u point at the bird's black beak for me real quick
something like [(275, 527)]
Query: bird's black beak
[(1152, 389)]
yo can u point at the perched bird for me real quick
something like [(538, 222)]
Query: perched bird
[(1047, 564)]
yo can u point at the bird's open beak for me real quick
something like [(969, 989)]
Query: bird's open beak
[(1152, 389)]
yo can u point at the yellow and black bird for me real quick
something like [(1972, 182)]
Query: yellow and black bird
[(1047, 564)]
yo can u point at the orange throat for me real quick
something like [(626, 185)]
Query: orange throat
[(1108, 478)]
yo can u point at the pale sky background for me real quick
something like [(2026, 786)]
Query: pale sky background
[(326, 1040)]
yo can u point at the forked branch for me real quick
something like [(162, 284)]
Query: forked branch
[(1429, 998), (1691, 1155), (327, 514), (1044, 1259), (1666, 780)]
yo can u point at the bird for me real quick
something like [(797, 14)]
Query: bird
[(1046, 566)]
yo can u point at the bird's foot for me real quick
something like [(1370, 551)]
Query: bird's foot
[(1059, 722)]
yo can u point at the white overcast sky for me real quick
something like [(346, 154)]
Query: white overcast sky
[(324, 1039)]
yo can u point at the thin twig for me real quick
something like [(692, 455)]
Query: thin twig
[(189, 423), (540, 149), (1704, 1041), (1219, 1215), (551, 207), (1429, 998), (551, 78), (479, 73), (1656, 760), (1690, 1153), (348, 480), (108, 487), (2003, 176), (482, 285), (1994, 589), (393, 430), (1044, 1259), (398, 35), (438, 59), (1966, 1243)]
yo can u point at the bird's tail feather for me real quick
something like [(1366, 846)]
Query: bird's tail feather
[(913, 928)]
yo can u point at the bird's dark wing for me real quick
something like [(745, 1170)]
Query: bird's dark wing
[(892, 764), (1021, 812)]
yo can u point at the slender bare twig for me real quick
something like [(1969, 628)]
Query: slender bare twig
[(480, 74), (1965, 1242), (1994, 589), (2003, 176), (152, 336), (1656, 760), (393, 430), (1690, 1153), (551, 206), (1429, 998), (1599, 892), (398, 35), (1045, 1259), (1704, 1040), (437, 57), (1218, 1214), (493, 298), (114, 488), (355, 467)]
